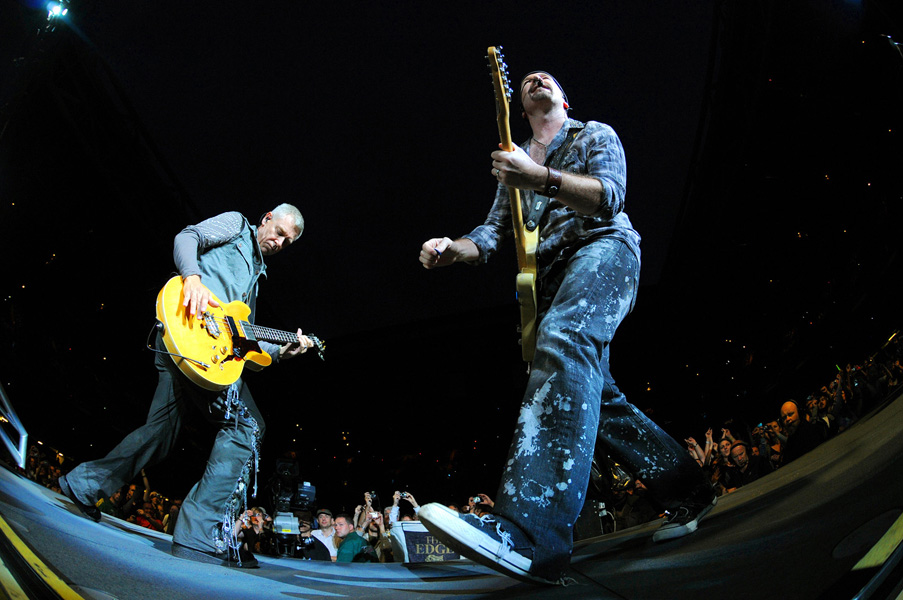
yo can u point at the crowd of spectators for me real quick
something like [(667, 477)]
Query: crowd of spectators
[(736, 455), (362, 536), (732, 457), (140, 505), (44, 467)]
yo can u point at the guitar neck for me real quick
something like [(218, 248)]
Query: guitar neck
[(505, 132), (274, 336), (517, 208), (524, 240)]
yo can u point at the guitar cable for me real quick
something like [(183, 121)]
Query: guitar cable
[(159, 327)]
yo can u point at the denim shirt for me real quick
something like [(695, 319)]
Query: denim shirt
[(224, 251), (595, 152)]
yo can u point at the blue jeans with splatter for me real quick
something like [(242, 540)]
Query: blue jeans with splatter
[(571, 401)]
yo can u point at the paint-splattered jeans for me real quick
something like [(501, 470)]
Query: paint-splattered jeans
[(571, 401)]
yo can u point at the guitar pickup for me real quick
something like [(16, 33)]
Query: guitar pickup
[(246, 333)]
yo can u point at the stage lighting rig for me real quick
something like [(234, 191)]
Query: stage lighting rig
[(56, 12), (57, 9)]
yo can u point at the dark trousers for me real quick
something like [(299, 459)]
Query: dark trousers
[(212, 501)]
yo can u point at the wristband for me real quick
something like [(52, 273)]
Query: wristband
[(553, 183)]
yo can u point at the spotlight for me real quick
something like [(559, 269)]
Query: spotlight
[(57, 9)]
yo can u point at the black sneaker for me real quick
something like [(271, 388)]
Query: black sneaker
[(90, 511), (489, 540), (244, 560), (684, 520)]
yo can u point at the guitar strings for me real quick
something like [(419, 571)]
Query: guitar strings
[(277, 335), (280, 335)]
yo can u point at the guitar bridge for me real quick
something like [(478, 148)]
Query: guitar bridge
[(210, 324)]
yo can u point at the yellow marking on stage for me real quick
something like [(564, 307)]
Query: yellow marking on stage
[(883, 548), (8, 584), (37, 565)]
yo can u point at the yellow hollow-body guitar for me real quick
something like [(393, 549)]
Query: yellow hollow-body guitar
[(526, 240), (213, 350)]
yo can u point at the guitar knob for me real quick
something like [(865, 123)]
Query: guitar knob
[(215, 359)]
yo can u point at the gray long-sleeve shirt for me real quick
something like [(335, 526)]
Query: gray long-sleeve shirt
[(224, 251)]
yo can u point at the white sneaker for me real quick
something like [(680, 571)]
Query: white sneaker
[(488, 540)]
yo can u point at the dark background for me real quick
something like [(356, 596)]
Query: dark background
[(763, 145)]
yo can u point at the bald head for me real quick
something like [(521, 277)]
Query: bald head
[(790, 415)]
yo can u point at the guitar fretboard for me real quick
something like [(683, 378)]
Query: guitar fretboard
[(277, 336), (267, 334)]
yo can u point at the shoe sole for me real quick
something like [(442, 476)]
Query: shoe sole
[(91, 512), (180, 551), (676, 532), (472, 543)]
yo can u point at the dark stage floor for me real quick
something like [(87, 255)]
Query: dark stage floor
[(800, 533)]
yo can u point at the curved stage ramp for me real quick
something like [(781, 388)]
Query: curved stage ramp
[(827, 526)]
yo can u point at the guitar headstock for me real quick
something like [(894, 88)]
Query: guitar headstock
[(498, 70), (320, 345)]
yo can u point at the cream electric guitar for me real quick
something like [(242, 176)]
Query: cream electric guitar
[(212, 351), (526, 240)]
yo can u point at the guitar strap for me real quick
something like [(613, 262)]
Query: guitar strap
[(554, 161)]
